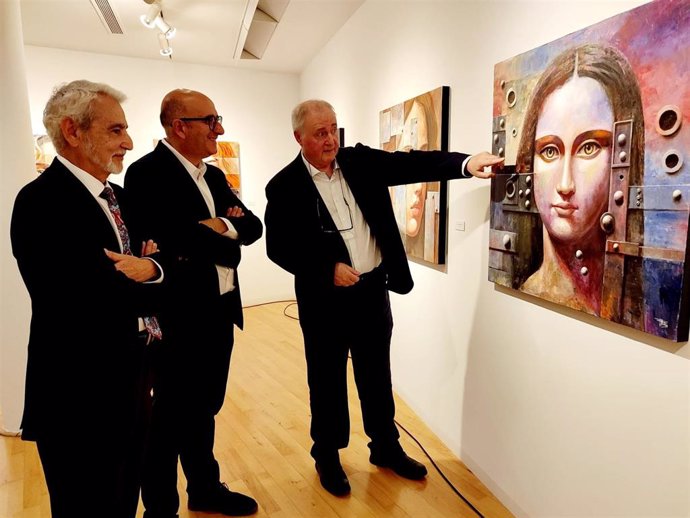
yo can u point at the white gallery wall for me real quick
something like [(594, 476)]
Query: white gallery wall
[(559, 413), (16, 168)]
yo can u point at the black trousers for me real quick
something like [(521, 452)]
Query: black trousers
[(94, 468), (358, 320), (189, 388)]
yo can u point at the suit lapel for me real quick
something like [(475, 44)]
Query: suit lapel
[(76, 200), (305, 188), (181, 183)]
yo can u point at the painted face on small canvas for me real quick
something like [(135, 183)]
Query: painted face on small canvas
[(414, 207), (572, 157), (414, 136)]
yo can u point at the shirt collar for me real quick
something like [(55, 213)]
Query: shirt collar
[(196, 172), (313, 171), (93, 184)]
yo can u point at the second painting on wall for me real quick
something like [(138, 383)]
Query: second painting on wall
[(227, 159), (419, 123)]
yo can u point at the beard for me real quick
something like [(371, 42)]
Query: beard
[(110, 166)]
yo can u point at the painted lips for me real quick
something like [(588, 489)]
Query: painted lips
[(564, 209)]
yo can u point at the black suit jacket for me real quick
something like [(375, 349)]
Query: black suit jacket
[(83, 358), (170, 206), (295, 239)]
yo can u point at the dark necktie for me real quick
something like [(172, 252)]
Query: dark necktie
[(108, 195)]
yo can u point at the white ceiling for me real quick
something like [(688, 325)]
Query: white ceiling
[(207, 30)]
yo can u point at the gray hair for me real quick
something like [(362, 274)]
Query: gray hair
[(299, 113), (74, 100)]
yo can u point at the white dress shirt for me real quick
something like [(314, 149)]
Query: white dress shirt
[(95, 187), (226, 275), (365, 254)]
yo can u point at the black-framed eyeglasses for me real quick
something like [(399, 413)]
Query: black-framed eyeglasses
[(211, 120), (320, 202), (329, 230)]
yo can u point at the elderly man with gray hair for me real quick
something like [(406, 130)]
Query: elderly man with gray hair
[(92, 309)]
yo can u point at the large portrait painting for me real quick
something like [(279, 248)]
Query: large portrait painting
[(592, 208), (420, 209), (227, 159)]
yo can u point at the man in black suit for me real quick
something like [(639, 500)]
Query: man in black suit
[(86, 392), (188, 208), (330, 222)]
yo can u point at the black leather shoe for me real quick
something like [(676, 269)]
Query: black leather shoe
[(222, 500), (401, 464), (332, 477)]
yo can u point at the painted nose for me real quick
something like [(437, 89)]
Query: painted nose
[(566, 185)]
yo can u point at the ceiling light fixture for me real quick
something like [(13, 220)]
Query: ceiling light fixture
[(154, 12), (153, 19), (166, 49)]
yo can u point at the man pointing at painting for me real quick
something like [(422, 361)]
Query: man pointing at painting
[(330, 222)]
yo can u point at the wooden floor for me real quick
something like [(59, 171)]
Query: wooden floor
[(262, 444)]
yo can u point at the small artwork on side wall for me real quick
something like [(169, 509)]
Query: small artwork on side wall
[(592, 208), (44, 152), (227, 159), (419, 123)]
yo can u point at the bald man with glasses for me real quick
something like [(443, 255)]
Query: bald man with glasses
[(190, 208)]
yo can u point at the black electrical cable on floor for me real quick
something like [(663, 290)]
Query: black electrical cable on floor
[(455, 490), (440, 472), (286, 308)]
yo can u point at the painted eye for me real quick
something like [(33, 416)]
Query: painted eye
[(589, 149), (549, 153)]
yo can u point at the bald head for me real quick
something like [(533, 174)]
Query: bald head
[(175, 103), (191, 123)]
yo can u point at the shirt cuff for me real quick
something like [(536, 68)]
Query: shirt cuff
[(465, 172), (232, 231), (159, 279)]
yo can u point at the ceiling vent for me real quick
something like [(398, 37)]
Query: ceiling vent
[(260, 20), (107, 16)]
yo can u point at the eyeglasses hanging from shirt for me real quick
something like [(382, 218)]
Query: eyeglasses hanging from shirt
[(323, 213)]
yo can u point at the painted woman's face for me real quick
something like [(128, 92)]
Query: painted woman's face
[(414, 207), (572, 158), (414, 136)]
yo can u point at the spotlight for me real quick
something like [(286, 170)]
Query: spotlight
[(153, 13), (164, 27), (153, 19), (166, 49)]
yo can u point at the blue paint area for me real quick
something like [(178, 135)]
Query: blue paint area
[(666, 229), (662, 288)]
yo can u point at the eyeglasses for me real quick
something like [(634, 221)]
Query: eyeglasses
[(329, 230), (320, 202), (211, 120)]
